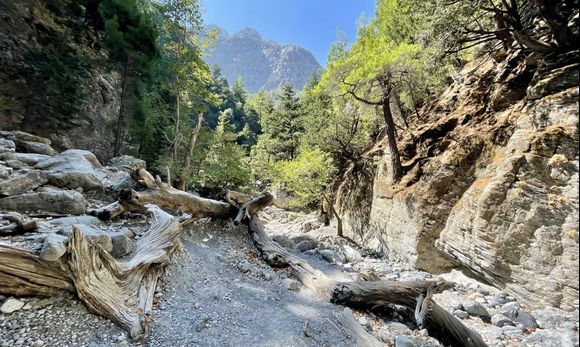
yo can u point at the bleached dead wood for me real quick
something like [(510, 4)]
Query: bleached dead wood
[(123, 290), (164, 196), (359, 294)]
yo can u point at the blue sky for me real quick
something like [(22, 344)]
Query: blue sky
[(312, 24)]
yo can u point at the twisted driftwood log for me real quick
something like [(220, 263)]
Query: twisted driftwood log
[(119, 290)]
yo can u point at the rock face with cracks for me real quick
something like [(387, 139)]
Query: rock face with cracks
[(491, 185)]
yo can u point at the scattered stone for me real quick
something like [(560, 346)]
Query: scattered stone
[(551, 338), (461, 314), (512, 331), (23, 183), (499, 320), (54, 247), (38, 343), (244, 266), (551, 318), (34, 147), (351, 255), (67, 222), (11, 305), (122, 245), (368, 275), (403, 341), (478, 289), (290, 284), (298, 239), (17, 164), (327, 255), (283, 241), (306, 227), (516, 313), (398, 328), (475, 308), (475, 296), (202, 323), (307, 332), (305, 245), (5, 172), (49, 200)]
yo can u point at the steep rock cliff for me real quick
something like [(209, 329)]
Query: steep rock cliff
[(492, 181), (50, 83)]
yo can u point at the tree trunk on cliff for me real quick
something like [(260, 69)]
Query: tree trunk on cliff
[(176, 130), (392, 139), (120, 118), (189, 153)]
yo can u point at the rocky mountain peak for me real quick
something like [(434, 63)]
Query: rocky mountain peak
[(262, 64)]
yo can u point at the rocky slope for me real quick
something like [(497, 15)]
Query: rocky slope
[(492, 182), (262, 64)]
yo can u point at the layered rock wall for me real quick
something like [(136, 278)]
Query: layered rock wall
[(492, 186)]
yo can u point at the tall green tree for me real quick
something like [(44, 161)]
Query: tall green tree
[(131, 39), (226, 165), (283, 128)]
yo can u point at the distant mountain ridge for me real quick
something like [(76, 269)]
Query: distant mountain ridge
[(262, 64)]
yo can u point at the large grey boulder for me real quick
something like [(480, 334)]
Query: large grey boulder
[(474, 308), (93, 234), (127, 162), (7, 146), (48, 199), (23, 183), (21, 135), (34, 147), (54, 247), (27, 158), (114, 179), (516, 313), (72, 169)]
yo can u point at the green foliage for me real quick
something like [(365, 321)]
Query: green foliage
[(58, 77), (226, 165), (306, 178), (130, 34), (283, 128)]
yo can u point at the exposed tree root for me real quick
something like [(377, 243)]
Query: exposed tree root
[(119, 290), (123, 290)]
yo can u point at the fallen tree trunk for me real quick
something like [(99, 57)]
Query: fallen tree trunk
[(164, 196), (23, 273), (360, 294)]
